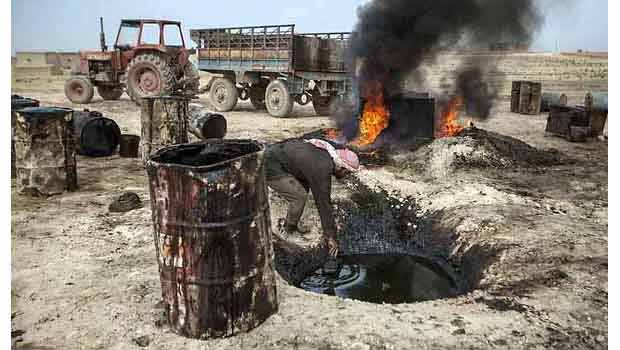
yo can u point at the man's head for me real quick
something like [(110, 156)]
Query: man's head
[(348, 163)]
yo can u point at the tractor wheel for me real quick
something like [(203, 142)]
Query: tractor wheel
[(79, 90), (148, 74), (190, 73), (278, 100), (223, 94), (109, 92), (257, 97)]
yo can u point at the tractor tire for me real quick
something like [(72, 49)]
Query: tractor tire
[(278, 100), (257, 97), (148, 74), (109, 93), (190, 73), (79, 90), (223, 94)]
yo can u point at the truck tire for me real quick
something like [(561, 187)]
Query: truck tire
[(278, 100), (79, 90), (109, 93), (223, 94), (257, 97), (148, 74)]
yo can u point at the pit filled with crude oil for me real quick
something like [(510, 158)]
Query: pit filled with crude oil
[(390, 279)]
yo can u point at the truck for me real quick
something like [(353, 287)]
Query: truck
[(148, 58), (273, 67)]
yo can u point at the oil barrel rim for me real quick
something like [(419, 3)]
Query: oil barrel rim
[(152, 160)]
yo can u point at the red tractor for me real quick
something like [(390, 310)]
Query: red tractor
[(149, 58)]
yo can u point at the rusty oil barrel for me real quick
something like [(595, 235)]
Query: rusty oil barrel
[(95, 135), (212, 234), (206, 124), (129, 145), (18, 102), (164, 122), (45, 151)]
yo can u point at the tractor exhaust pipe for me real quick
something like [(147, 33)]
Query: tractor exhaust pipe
[(104, 48)]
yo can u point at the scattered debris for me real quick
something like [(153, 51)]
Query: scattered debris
[(125, 202), (142, 341)]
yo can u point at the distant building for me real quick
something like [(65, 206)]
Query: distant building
[(45, 62), (508, 46)]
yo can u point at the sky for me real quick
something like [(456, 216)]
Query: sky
[(71, 25)]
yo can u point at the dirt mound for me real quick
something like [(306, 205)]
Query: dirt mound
[(475, 148)]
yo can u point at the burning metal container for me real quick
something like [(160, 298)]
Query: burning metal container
[(45, 150), (95, 135), (18, 102), (164, 122), (212, 233), (404, 119), (525, 97)]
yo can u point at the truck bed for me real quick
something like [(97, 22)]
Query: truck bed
[(273, 48)]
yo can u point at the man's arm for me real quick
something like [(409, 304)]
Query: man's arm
[(321, 185)]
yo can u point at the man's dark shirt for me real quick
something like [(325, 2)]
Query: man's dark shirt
[(312, 167)]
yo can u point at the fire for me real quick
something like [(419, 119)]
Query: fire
[(375, 116), (333, 133), (448, 123)]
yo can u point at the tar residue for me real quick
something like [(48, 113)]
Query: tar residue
[(391, 279), (206, 153)]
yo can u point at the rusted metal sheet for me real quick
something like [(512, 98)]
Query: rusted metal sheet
[(45, 151), (596, 105), (563, 120), (18, 102), (212, 235), (525, 97), (164, 122)]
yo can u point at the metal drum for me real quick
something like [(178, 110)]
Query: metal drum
[(129, 145), (164, 122), (45, 151), (95, 135), (18, 102), (205, 124), (212, 234)]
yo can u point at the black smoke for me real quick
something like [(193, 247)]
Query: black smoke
[(394, 37)]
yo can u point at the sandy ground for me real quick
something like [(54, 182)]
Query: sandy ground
[(534, 241)]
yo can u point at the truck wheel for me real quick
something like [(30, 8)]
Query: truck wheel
[(148, 74), (109, 92), (322, 104), (278, 100), (223, 94), (257, 97), (79, 90)]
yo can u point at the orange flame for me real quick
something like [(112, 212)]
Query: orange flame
[(375, 116), (448, 123)]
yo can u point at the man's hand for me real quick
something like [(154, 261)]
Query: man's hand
[(332, 246)]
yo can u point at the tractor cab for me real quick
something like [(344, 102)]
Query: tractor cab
[(146, 33)]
